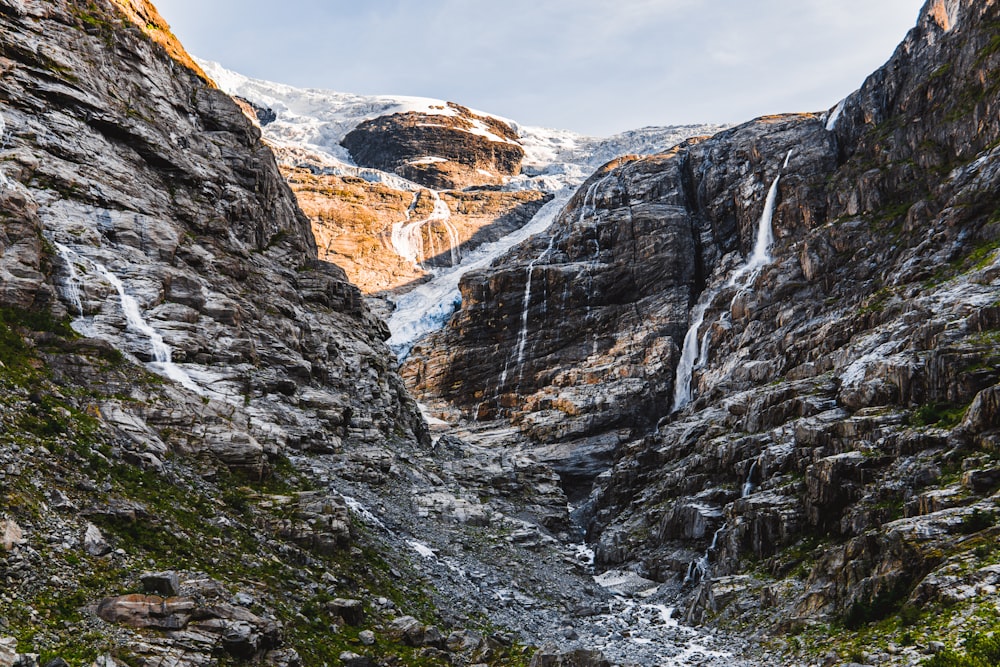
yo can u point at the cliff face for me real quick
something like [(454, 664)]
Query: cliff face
[(156, 177), (844, 385)]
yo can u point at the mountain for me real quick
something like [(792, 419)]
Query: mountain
[(716, 396), (408, 194), (783, 338)]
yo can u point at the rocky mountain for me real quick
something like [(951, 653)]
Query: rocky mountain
[(784, 337), (760, 362)]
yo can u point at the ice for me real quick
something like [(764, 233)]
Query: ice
[(428, 306)]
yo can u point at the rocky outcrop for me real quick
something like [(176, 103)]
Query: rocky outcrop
[(453, 149)]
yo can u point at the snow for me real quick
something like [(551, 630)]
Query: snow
[(311, 123), (554, 159)]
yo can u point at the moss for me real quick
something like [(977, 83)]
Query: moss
[(943, 415)]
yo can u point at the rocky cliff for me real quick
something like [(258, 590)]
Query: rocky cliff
[(802, 426), (452, 149)]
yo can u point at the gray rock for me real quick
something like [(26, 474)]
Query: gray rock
[(94, 543), (352, 611), (166, 584)]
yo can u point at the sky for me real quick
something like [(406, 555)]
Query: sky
[(592, 66)]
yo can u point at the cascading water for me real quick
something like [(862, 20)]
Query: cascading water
[(4, 182), (690, 353), (523, 334), (695, 355), (831, 122), (428, 306), (748, 485), (698, 569), (71, 286), (161, 353), (407, 236)]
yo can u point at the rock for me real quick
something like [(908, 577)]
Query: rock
[(165, 584), (94, 543), (414, 633), (550, 656), (11, 534), (352, 611), (8, 651), (351, 659), (367, 637), (147, 611), (442, 151)]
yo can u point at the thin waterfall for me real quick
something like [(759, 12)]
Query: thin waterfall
[(71, 286), (690, 353), (748, 485), (831, 122), (694, 353), (160, 351), (523, 335)]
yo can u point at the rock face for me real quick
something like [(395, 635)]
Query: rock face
[(388, 238), (446, 151), (836, 381), (156, 182)]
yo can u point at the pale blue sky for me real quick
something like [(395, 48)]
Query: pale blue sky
[(593, 66)]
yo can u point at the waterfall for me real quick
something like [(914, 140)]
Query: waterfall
[(694, 354), (523, 335), (831, 122), (690, 353), (71, 286), (748, 485), (161, 353), (4, 182), (698, 569), (407, 237), (428, 306)]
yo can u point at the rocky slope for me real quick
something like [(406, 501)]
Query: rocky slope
[(836, 462)]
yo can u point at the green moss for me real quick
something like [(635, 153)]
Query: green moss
[(943, 415)]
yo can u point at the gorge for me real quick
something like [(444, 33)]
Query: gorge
[(297, 377)]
